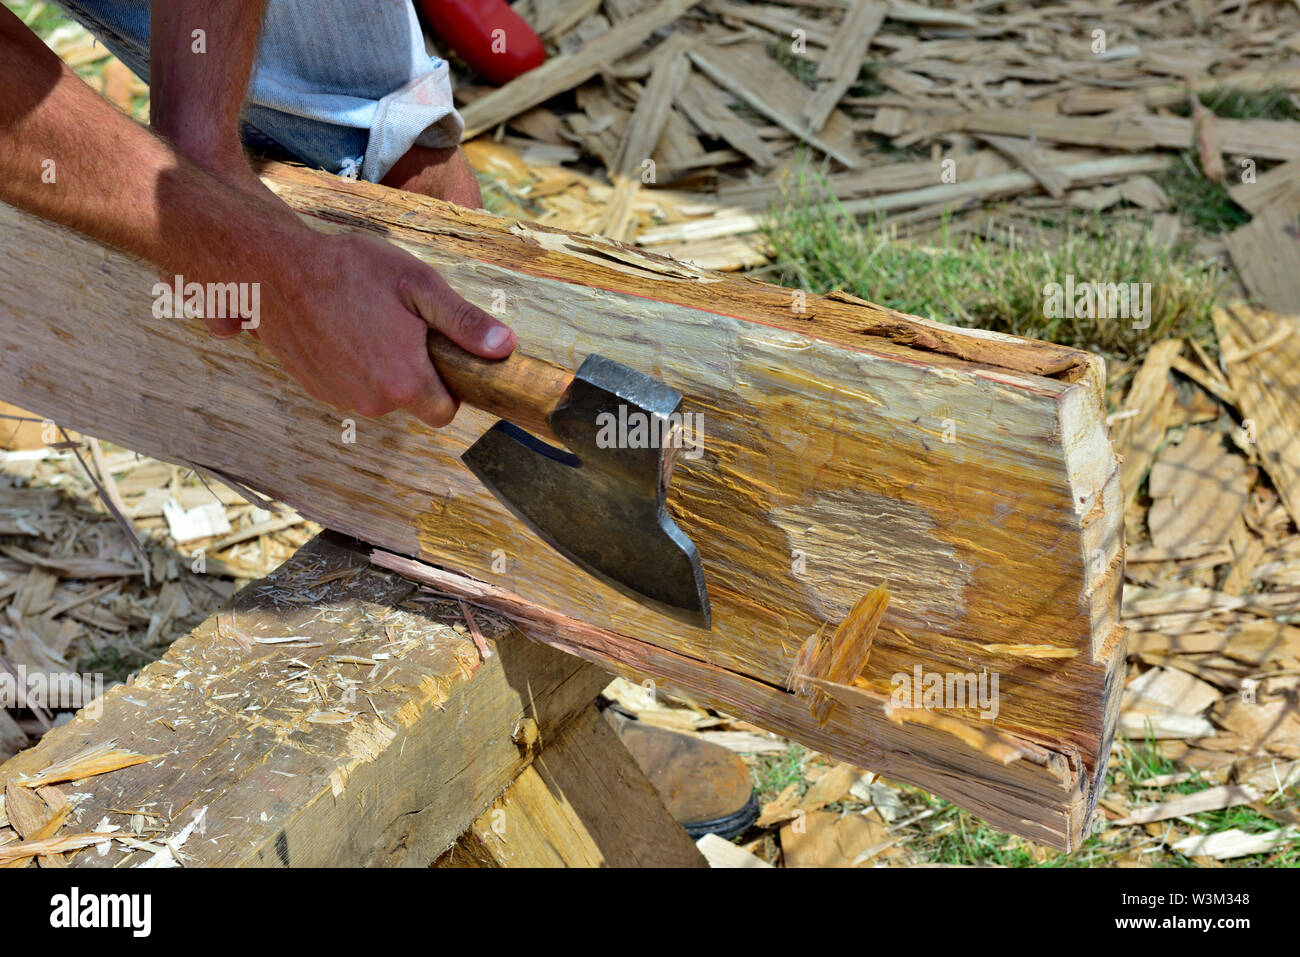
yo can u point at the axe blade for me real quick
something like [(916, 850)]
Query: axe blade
[(632, 546), (603, 509)]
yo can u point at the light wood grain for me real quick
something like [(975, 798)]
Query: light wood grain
[(843, 446), (519, 387)]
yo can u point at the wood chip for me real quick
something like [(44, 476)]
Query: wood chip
[(1198, 489), (1140, 433), (840, 658), (1267, 385), (1233, 843), (839, 69), (720, 852), (565, 72), (827, 839), (747, 71), (1211, 799), (97, 759), (1266, 253)]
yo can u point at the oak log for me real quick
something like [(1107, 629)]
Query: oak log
[(376, 738), (843, 445)]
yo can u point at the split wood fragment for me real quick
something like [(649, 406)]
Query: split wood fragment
[(841, 658)]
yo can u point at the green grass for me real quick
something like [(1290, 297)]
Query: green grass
[(42, 17), (866, 84), (1232, 103), (496, 198), (954, 836), (111, 662), (772, 774), (969, 281), (958, 837), (1139, 761), (1202, 203)]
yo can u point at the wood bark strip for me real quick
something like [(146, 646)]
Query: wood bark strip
[(778, 20), (643, 130), (1095, 100), (1027, 155), (1211, 799), (1002, 184), (825, 470), (1115, 134), (1260, 139)]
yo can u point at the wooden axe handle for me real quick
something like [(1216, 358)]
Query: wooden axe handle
[(518, 388)]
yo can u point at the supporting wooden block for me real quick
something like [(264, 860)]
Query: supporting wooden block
[(373, 736), (582, 803)]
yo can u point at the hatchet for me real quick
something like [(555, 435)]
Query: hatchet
[(599, 500)]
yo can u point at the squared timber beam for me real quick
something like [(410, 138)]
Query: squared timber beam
[(844, 445)]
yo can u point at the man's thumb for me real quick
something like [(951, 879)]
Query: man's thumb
[(462, 322)]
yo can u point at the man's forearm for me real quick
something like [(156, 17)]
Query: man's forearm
[(68, 156), (347, 316), (201, 57)]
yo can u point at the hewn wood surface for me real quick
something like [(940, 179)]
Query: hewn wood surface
[(259, 734), (843, 445), (1019, 786)]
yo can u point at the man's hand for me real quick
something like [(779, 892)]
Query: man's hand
[(350, 323), (347, 316), (350, 317)]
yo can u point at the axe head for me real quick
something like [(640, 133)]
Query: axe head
[(601, 502)]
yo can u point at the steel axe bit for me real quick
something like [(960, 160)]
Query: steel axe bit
[(599, 504)]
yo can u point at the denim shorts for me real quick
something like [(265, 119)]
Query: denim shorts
[(343, 85)]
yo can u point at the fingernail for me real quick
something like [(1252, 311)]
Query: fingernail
[(496, 338)]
